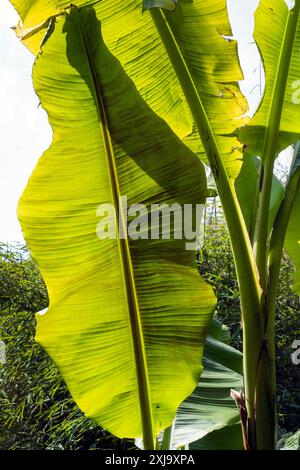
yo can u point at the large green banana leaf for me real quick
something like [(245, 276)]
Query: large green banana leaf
[(197, 29), (132, 37), (210, 407), (272, 19), (278, 117), (169, 5), (127, 319)]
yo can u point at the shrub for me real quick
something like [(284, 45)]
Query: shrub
[(36, 409)]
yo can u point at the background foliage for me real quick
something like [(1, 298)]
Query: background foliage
[(36, 409)]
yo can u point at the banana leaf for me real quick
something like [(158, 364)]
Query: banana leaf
[(282, 66), (128, 318)]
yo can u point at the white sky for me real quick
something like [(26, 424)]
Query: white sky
[(24, 129)]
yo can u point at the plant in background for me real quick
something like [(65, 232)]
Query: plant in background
[(135, 102)]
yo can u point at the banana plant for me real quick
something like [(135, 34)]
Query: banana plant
[(134, 110), (210, 413), (274, 127), (128, 317)]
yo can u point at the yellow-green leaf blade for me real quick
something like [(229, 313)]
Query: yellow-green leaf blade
[(211, 63), (274, 16), (292, 242), (87, 328), (210, 407)]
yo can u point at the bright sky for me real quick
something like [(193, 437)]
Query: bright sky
[(24, 129)]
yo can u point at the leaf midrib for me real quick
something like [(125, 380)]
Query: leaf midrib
[(125, 256)]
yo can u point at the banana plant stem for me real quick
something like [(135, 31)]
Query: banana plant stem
[(265, 388), (242, 250), (269, 154)]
